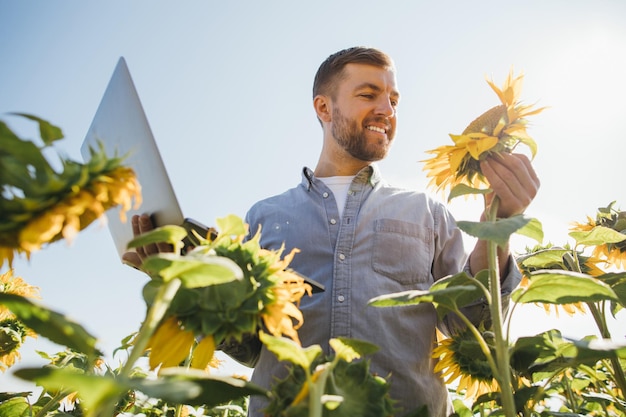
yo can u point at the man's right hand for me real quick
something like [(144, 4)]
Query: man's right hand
[(142, 224)]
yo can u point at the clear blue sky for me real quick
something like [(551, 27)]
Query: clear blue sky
[(226, 87)]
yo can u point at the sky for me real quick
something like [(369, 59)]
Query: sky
[(226, 87)]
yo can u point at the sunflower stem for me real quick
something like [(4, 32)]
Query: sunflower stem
[(618, 372), (484, 347), (155, 314), (316, 390), (52, 403), (502, 374)]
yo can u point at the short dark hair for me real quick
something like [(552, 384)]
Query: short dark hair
[(331, 70)]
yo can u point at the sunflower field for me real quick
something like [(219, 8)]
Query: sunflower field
[(228, 287)]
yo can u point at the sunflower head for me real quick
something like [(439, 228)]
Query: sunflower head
[(362, 392), (41, 205), (542, 257), (268, 296), (499, 129), (12, 336), (461, 358), (609, 247), (10, 284)]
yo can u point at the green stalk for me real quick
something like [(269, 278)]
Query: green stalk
[(600, 319), (316, 390), (53, 402), (155, 314), (495, 307), (618, 372)]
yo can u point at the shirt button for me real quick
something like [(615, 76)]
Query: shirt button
[(341, 298), (325, 195), (333, 221), (342, 256)]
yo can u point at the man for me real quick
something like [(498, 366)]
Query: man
[(362, 238)]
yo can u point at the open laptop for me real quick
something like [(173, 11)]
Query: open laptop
[(121, 126)]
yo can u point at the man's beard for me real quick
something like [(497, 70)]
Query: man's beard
[(351, 137)]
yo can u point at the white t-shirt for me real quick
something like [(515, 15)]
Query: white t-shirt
[(339, 185)]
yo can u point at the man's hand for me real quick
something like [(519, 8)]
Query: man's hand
[(142, 224), (513, 180)]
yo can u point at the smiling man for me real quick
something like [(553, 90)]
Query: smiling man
[(362, 238)]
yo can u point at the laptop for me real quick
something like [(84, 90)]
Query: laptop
[(120, 125)]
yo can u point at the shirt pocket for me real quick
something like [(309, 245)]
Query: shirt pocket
[(402, 251)]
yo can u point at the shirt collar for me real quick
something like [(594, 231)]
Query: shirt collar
[(370, 174)]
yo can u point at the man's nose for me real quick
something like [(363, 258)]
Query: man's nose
[(385, 107)]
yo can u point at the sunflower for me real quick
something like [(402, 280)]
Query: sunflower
[(12, 336), (10, 284), (613, 253), (40, 205), (13, 333), (557, 258), (80, 208), (460, 357), (268, 295), (499, 129)]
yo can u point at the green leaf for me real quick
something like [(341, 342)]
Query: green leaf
[(48, 132), (231, 225), (543, 355), (617, 281), (93, 390), (591, 350), (460, 409), (529, 350), (532, 145), (165, 234), (448, 294), (464, 189), (543, 259), (599, 235), (363, 394), (287, 350), (50, 324), (351, 349), (501, 230), (563, 287), (175, 385), (16, 407), (533, 229), (8, 395), (193, 271), (209, 390)]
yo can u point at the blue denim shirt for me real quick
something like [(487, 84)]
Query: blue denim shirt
[(388, 240)]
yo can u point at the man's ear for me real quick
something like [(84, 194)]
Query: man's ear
[(321, 104)]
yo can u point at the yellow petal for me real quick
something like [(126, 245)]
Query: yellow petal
[(203, 353), (478, 146)]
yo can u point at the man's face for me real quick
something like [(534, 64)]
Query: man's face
[(364, 112)]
